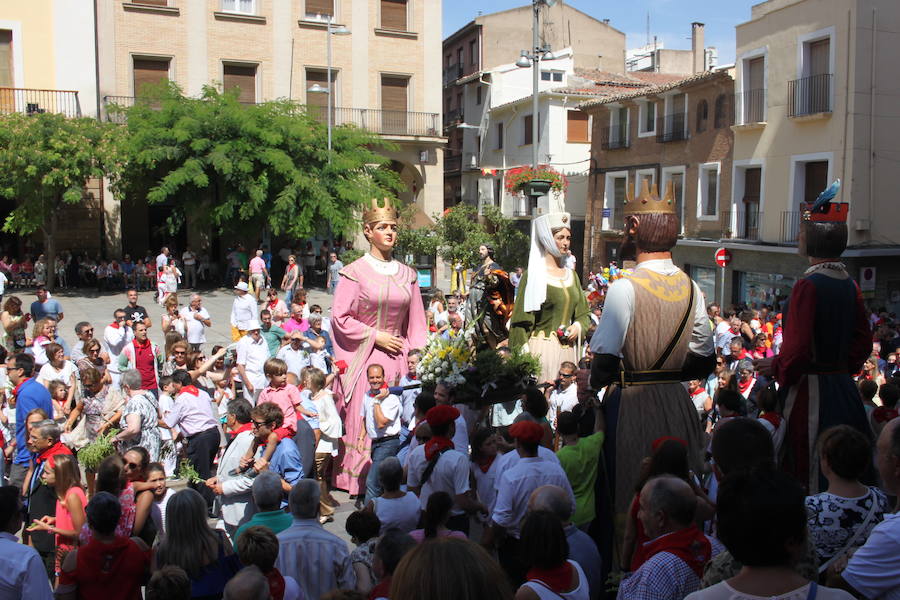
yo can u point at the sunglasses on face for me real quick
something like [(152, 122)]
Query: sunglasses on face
[(566, 375), (258, 424)]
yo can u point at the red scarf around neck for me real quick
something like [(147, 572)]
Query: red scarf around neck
[(190, 389), (242, 428), (558, 579), (743, 388), (276, 584), (883, 414), (771, 417), (485, 463), (436, 445), (688, 544)]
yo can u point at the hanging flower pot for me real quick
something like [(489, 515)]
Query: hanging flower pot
[(535, 182)]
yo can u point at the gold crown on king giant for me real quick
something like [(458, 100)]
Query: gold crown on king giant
[(649, 201), (384, 212)]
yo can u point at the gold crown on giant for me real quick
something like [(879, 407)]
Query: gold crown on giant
[(649, 201), (384, 212)]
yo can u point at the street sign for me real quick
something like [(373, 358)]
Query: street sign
[(723, 257)]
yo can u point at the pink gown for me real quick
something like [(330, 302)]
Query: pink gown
[(365, 302)]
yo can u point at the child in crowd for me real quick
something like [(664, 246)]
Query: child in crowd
[(319, 358), (307, 406), (223, 394), (59, 393), (166, 406), (258, 547), (889, 394), (156, 477), (286, 397), (701, 399), (62, 474), (769, 417)]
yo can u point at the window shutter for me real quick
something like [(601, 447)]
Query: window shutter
[(577, 126), (394, 93), (152, 2), (6, 71), (320, 7), (242, 77), (149, 71), (752, 180), (819, 52), (393, 15), (528, 123)]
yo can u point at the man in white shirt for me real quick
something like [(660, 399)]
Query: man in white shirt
[(381, 422), (22, 573), (453, 308), (252, 354), (295, 354), (189, 259), (162, 259), (724, 332), (243, 310), (443, 394), (563, 397), (515, 486), (437, 467), (197, 319), (116, 336)]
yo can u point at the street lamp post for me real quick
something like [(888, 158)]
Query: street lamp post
[(328, 89)]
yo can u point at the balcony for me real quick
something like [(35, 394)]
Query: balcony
[(32, 101), (452, 73), (790, 226), (614, 138), (452, 164), (673, 128), (385, 122), (741, 225), (810, 95), (752, 105), (523, 206)]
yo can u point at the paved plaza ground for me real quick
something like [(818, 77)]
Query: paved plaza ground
[(97, 309)]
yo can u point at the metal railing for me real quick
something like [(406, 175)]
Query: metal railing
[(809, 95), (452, 163), (673, 128), (524, 206), (741, 224), (614, 138), (790, 226), (452, 73), (34, 101), (753, 106), (386, 122)]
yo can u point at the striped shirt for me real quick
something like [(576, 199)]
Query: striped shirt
[(317, 559)]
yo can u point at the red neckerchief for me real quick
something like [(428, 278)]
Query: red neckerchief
[(688, 544), (114, 324), (883, 414), (273, 304), (21, 383), (276, 584), (744, 387), (57, 448), (484, 463), (190, 389), (698, 391), (242, 428), (742, 355), (774, 418), (142, 346), (411, 376), (373, 393), (436, 445), (382, 590), (559, 579)]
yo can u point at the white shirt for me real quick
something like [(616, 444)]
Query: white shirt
[(515, 485), (450, 474), (505, 462), (460, 437), (330, 424), (50, 373), (561, 401), (873, 569), (295, 359), (243, 309), (398, 513), (22, 573), (115, 339), (196, 330), (618, 310), (723, 337), (723, 591), (253, 355), (408, 397), (166, 406), (188, 258), (161, 261), (390, 408)]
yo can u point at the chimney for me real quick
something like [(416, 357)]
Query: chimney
[(697, 47)]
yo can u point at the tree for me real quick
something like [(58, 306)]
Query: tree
[(45, 160), (510, 245), (237, 167)]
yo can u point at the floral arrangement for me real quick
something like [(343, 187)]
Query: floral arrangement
[(445, 361), (518, 177)]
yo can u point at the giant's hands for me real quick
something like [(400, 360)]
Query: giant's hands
[(389, 343)]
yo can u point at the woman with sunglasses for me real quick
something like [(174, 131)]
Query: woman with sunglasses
[(92, 360)]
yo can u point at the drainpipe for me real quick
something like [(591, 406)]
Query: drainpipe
[(96, 60), (871, 125)]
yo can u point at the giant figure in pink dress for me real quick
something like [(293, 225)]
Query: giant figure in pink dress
[(377, 318)]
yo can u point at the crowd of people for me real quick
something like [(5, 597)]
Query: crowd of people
[(456, 501)]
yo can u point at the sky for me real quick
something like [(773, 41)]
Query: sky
[(670, 20)]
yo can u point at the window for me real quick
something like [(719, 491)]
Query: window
[(614, 203), (394, 102), (459, 103), (393, 15), (243, 78), (498, 191), (647, 117), (557, 76), (708, 191), (500, 136), (642, 175), (705, 278), (317, 102), (551, 76), (721, 118), (459, 57), (478, 95), (247, 7), (577, 126), (618, 127), (675, 175), (473, 52), (748, 218), (702, 115), (545, 75), (6, 58), (815, 179), (149, 71), (316, 9), (528, 129)]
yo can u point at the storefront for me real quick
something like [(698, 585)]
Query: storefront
[(763, 289)]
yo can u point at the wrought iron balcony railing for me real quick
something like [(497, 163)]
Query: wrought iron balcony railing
[(34, 101)]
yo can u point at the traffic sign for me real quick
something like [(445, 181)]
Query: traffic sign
[(723, 257)]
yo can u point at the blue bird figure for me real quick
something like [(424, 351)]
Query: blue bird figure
[(826, 196)]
